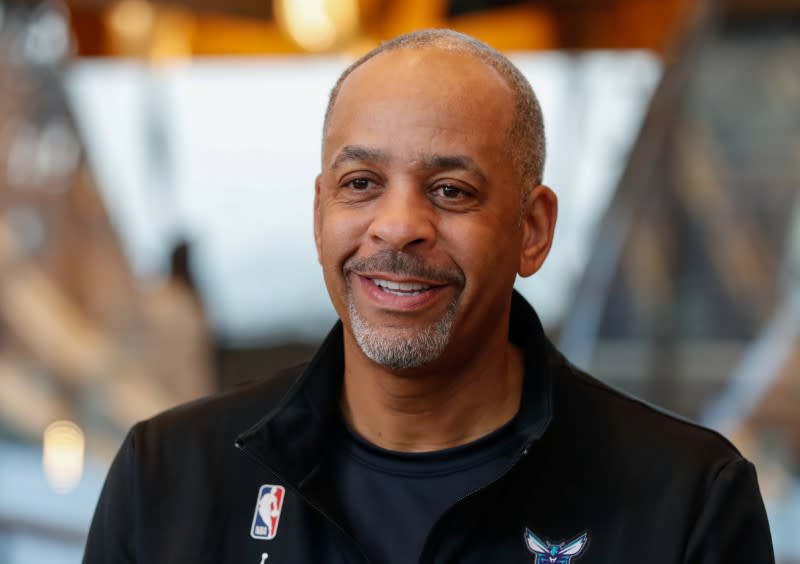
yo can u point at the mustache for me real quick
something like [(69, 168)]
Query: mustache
[(404, 264)]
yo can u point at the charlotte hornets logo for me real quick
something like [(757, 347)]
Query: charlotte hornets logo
[(549, 553)]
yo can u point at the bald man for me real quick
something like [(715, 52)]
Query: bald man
[(436, 423)]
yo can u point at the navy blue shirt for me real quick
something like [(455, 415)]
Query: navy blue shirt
[(390, 500)]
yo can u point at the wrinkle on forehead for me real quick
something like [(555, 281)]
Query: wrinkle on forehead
[(411, 130)]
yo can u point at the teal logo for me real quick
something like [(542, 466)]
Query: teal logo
[(555, 553)]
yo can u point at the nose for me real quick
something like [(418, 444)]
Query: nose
[(403, 219)]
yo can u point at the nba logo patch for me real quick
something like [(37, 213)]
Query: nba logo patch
[(268, 512)]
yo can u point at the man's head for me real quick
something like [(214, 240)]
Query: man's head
[(426, 208)]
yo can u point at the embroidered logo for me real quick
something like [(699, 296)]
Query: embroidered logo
[(551, 553), (268, 512)]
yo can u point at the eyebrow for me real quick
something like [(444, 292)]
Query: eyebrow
[(452, 162), (359, 153), (433, 161)]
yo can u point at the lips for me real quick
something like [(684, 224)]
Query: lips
[(401, 288), (399, 296)]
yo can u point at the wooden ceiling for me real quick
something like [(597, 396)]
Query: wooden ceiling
[(262, 9), (236, 27)]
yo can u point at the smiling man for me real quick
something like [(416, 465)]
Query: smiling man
[(425, 213), (436, 423)]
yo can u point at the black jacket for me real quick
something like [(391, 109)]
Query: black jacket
[(646, 487)]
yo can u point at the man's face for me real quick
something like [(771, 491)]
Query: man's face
[(417, 206)]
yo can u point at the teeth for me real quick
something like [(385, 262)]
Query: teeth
[(401, 288)]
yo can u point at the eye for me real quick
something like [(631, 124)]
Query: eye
[(359, 184), (450, 192), (359, 187)]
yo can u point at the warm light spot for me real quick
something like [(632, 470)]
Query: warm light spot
[(62, 455), (318, 25), (132, 20)]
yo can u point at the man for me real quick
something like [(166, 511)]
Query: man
[(436, 423)]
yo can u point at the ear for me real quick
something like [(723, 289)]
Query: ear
[(317, 226), (538, 225)]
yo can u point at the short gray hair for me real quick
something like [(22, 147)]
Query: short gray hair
[(526, 137)]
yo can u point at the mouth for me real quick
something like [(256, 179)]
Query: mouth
[(400, 295), (401, 288)]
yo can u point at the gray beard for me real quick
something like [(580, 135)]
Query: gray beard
[(400, 349)]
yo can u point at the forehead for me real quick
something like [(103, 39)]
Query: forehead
[(449, 94)]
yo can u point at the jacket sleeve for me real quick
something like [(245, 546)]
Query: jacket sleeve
[(112, 533), (732, 526)]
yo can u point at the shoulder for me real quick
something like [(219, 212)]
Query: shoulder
[(630, 429), (217, 418)]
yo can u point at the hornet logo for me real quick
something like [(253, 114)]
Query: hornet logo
[(548, 553)]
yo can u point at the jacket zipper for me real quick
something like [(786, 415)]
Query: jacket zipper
[(347, 536), (426, 548)]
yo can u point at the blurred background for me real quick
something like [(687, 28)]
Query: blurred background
[(156, 180)]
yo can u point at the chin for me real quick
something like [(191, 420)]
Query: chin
[(402, 348)]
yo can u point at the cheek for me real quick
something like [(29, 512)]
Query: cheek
[(484, 248), (346, 229), (340, 234)]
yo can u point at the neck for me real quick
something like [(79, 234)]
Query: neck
[(436, 407)]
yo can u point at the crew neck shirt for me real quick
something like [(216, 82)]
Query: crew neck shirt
[(391, 500)]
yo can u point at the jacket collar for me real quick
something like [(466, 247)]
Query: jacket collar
[(291, 439)]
